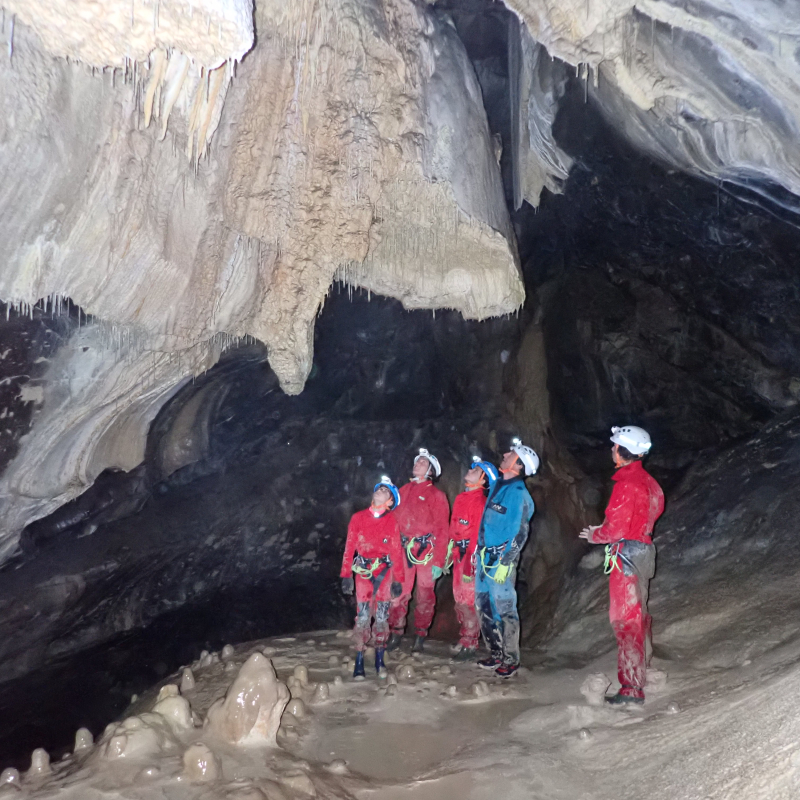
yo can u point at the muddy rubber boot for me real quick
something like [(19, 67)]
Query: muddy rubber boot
[(395, 640), (358, 670), (419, 644), (620, 699), (464, 655), (379, 665)]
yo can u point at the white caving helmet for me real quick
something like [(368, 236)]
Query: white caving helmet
[(634, 440), (527, 455), (432, 460)]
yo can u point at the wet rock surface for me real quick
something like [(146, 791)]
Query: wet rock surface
[(653, 298), (727, 558), (664, 299), (233, 526)]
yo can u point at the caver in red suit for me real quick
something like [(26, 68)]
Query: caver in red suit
[(465, 522), (372, 539), (636, 503), (422, 517)]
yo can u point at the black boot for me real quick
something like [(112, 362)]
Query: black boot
[(379, 665), (358, 670), (620, 699), (419, 644), (395, 640), (464, 655)]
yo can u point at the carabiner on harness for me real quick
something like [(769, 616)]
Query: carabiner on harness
[(362, 566), (366, 572), (412, 559), (494, 568), (612, 559), (448, 560), (613, 555)]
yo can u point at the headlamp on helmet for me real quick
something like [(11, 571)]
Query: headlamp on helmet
[(527, 455), (489, 470), (634, 440), (387, 482), (432, 460)]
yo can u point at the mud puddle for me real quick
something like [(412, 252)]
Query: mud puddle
[(403, 750)]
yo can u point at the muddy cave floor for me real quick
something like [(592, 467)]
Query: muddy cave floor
[(444, 730)]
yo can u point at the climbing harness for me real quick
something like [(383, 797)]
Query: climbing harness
[(613, 555), (497, 572), (462, 545), (423, 542), (366, 569), (448, 559)]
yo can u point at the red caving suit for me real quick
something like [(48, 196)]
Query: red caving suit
[(636, 503), (423, 515), (465, 523), (369, 538)]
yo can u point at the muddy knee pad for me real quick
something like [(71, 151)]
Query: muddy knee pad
[(382, 613), (363, 615)]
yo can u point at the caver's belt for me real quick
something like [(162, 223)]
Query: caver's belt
[(496, 571), (420, 544), (630, 557), (462, 545), (366, 569)]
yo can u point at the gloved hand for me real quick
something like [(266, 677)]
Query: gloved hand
[(436, 572), (348, 586), (501, 573), (396, 590)]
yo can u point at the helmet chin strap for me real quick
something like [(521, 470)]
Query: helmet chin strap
[(472, 486), (378, 511)]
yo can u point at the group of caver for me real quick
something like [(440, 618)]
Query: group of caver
[(408, 536)]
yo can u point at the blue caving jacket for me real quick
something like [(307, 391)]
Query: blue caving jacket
[(506, 518)]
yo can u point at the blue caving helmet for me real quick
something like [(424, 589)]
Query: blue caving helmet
[(489, 470), (387, 482)]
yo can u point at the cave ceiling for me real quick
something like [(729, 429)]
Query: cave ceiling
[(191, 174)]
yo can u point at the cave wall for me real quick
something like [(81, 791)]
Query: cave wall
[(665, 301), (184, 208), (244, 493)]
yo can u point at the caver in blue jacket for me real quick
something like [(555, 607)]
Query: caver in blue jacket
[(503, 533)]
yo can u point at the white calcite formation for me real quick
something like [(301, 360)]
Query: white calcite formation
[(187, 197), (712, 88), (112, 33), (250, 712), (184, 208)]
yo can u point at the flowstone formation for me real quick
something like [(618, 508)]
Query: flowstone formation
[(711, 88), (182, 208)]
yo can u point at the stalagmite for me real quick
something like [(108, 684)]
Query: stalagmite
[(297, 708), (200, 764), (594, 688), (250, 712), (10, 776), (83, 740), (227, 652), (187, 680), (40, 763)]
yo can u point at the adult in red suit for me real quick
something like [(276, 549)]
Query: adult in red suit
[(373, 553), (422, 517), (636, 503), (465, 523)]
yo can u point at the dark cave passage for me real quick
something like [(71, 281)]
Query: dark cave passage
[(653, 299)]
